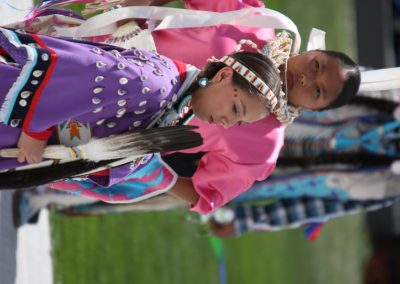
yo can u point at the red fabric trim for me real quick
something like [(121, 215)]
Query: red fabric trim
[(3, 52), (101, 173), (39, 91), (44, 135), (182, 69)]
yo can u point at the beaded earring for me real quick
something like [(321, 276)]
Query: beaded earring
[(202, 82)]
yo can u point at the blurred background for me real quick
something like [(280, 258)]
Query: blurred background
[(166, 248)]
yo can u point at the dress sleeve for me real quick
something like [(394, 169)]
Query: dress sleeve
[(43, 135), (222, 6), (218, 180)]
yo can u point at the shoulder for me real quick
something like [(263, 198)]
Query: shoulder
[(222, 6), (262, 140)]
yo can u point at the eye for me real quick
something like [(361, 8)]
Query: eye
[(234, 110), (318, 92)]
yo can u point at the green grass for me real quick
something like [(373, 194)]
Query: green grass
[(132, 248), (161, 248)]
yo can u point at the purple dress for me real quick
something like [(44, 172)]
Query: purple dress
[(47, 81), (54, 80)]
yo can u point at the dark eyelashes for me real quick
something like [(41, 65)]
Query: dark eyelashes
[(234, 109)]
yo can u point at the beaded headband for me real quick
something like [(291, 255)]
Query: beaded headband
[(252, 78)]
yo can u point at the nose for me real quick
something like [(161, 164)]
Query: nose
[(304, 79)]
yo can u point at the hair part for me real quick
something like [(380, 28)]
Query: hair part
[(352, 78), (259, 64)]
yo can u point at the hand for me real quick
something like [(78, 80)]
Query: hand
[(30, 149), (223, 230)]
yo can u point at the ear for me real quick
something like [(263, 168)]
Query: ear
[(222, 75)]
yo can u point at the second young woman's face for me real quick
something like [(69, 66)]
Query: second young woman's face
[(225, 104), (314, 80)]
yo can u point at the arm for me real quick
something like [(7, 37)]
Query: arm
[(184, 189)]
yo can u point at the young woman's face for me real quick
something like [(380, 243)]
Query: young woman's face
[(225, 104), (314, 80)]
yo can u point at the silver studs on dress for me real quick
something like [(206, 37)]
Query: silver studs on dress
[(23, 103), (34, 82), (121, 66), (96, 50), (96, 100), (174, 97), (174, 81), (122, 92), (121, 112), (158, 72), (142, 103), (111, 124), (165, 63), (115, 53), (121, 103), (143, 78), (163, 90), (25, 94), (137, 123), (145, 90), (15, 122), (138, 112), (98, 79), (45, 57), (97, 110), (100, 64), (97, 90), (163, 103), (123, 81), (143, 57), (99, 122), (37, 73)]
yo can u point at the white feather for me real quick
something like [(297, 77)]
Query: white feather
[(121, 146)]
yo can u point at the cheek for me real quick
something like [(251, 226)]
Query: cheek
[(220, 105)]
